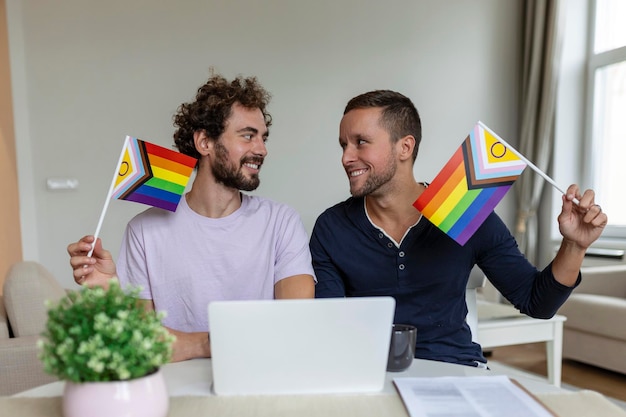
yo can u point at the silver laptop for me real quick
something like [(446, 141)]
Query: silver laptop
[(314, 346)]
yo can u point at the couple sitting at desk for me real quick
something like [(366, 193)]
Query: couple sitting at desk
[(222, 244)]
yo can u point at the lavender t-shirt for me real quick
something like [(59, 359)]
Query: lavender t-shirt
[(184, 260)]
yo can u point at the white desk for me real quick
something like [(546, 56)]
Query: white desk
[(194, 378), (189, 388)]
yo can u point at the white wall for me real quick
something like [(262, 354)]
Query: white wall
[(91, 72)]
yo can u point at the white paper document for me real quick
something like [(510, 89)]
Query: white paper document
[(480, 396)]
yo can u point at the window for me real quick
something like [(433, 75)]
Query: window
[(606, 114)]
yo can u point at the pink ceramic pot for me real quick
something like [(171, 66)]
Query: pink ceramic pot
[(141, 397)]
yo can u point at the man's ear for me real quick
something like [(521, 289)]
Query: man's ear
[(405, 148), (202, 142)]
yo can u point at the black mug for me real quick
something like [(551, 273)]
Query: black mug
[(402, 347)]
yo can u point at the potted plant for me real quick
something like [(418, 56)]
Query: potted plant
[(102, 342)]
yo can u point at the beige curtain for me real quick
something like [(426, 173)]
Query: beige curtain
[(542, 34)]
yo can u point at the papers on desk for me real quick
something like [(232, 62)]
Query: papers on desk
[(479, 396)]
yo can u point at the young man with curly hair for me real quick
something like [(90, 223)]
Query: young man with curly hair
[(220, 244)]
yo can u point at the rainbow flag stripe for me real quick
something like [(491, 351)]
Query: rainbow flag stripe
[(471, 184), (151, 174)]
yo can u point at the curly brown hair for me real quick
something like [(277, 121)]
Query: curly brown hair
[(213, 106)]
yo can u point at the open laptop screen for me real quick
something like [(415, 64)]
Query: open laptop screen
[(334, 345)]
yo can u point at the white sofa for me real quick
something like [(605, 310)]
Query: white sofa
[(595, 330), (23, 317)]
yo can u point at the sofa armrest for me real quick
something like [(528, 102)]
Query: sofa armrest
[(609, 280), (595, 314), (27, 287), (4, 321), (20, 367)]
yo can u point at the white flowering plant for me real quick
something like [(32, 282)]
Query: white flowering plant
[(96, 334)]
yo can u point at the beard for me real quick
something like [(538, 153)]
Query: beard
[(375, 181), (231, 176)]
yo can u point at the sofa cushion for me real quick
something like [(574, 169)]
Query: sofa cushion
[(27, 287), (596, 314), (20, 368)]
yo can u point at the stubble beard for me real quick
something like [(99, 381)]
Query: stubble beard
[(231, 176), (375, 181)]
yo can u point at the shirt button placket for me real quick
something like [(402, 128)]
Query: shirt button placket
[(400, 264)]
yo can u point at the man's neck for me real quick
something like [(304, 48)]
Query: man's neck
[(393, 211), (211, 199)]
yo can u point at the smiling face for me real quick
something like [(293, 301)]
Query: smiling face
[(368, 153), (239, 152)]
